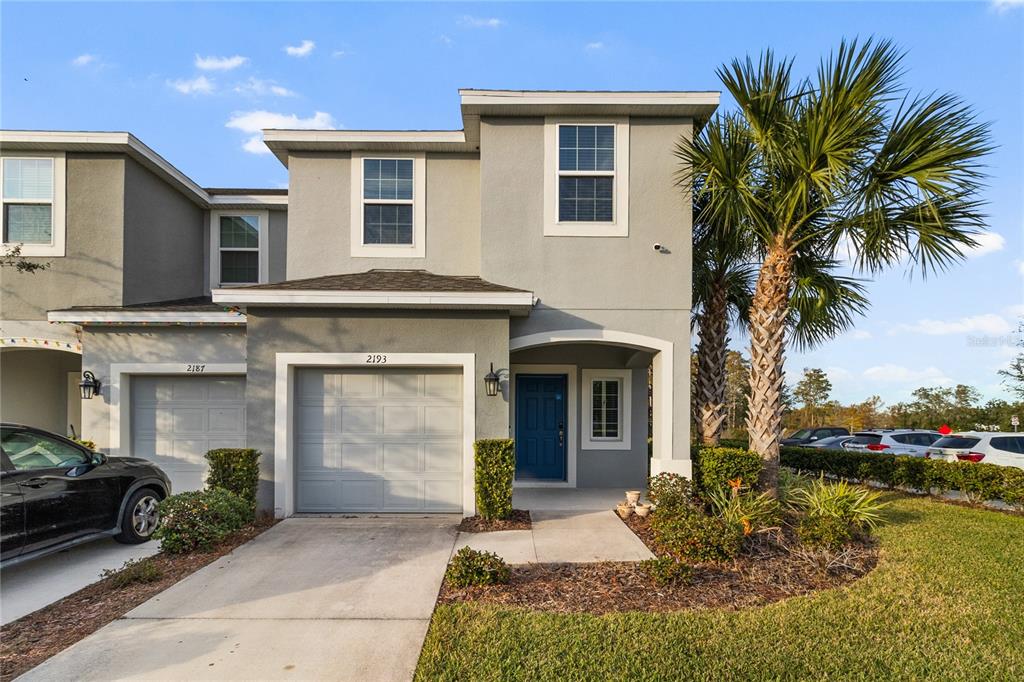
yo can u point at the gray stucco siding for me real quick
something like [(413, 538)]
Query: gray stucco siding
[(272, 331), (319, 207), (90, 272)]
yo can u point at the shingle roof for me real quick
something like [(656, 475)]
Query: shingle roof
[(390, 280), (199, 304), (244, 191)]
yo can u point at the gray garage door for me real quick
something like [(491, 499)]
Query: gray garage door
[(378, 440), (176, 419)]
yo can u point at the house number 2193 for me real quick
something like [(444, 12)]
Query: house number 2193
[(376, 359)]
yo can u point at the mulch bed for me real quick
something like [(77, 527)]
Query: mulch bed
[(765, 573), (520, 520), (30, 640)]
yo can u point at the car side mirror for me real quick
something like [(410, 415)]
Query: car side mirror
[(99, 458)]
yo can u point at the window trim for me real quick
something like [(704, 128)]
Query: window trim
[(417, 249), (57, 246), (263, 230), (619, 225), (625, 379)]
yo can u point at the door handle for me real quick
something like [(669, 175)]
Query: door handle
[(35, 483), (561, 434)]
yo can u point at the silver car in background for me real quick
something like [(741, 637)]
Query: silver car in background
[(830, 443), (991, 447), (909, 442)]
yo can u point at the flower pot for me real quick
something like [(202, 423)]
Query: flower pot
[(642, 510), (624, 510), (632, 497)]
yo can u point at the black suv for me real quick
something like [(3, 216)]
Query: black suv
[(57, 493), (805, 436)]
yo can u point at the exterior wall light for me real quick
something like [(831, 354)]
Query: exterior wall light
[(90, 385), (491, 381)]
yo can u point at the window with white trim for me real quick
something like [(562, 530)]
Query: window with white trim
[(586, 178), (32, 190), (388, 205), (238, 248), (607, 401)]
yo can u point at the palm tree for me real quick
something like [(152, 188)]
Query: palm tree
[(844, 157)]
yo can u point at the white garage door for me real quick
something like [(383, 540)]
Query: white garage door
[(378, 440), (176, 419)]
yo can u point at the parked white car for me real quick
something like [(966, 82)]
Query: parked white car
[(992, 447), (912, 442)]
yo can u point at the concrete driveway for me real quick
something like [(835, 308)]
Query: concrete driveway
[(310, 599), (30, 586)]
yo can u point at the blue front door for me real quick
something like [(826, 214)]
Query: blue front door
[(540, 427)]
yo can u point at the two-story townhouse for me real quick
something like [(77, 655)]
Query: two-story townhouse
[(527, 276)]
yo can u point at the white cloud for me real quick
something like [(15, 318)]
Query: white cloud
[(200, 85), (84, 60), (898, 374), (445, 40), (860, 334), (594, 46), (1016, 310), (253, 122), (1005, 5), (212, 63), (304, 49), (988, 242), (260, 87), (480, 22), (1020, 267), (838, 374), (339, 53), (989, 323)]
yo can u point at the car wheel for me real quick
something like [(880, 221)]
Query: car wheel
[(141, 517)]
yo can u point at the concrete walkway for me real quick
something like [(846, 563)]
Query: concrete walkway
[(310, 599), (569, 526)]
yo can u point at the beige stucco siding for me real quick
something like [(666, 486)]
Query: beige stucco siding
[(163, 240), (34, 388), (90, 271), (321, 331), (319, 207)]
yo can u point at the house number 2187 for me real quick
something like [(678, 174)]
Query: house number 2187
[(195, 369), (376, 359)]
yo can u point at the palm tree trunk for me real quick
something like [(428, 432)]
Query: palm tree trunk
[(767, 350), (713, 331)]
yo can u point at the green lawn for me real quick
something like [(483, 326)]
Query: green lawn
[(946, 602)]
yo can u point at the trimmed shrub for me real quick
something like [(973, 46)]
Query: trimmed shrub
[(978, 481), (199, 519), (236, 470), (671, 492), (715, 468), (470, 567), (824, 532), (495, 467), (692, 536), (133, 572), (665, 571)]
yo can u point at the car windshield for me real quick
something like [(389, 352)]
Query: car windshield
[(956, 442), (802, 433)]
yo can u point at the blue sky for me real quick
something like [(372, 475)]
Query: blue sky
[(197, 81)]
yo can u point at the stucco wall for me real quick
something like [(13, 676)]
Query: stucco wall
[(163, 240), (623, 468), (319, 204), (90, 271), (306, 331), (278, 245), (34, 387), (103, 346)]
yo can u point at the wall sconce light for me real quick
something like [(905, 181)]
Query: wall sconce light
[(90, 385), (491, 381)]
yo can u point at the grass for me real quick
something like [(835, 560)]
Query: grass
[(946, 602)]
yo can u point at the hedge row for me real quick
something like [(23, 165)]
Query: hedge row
[(977, 481), (714, 468), (495, 460)]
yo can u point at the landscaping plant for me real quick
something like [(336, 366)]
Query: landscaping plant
[(744, 508), (670, 492), (236, 470), (824, 532), (842, 500), (470, 567), (133, 572), (714, 468), (495, 468), (200, 519), (666, 571), (693, 536)]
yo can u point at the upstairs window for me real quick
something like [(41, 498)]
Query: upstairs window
[(388, 205), (387, 201), (33, 204), (586, 173), (586, 178), (238, 247)]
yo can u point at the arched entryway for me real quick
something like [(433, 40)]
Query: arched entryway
[(39, 384)]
